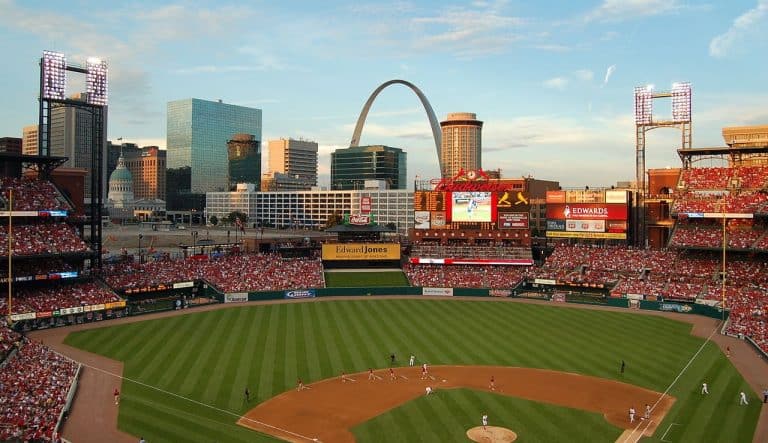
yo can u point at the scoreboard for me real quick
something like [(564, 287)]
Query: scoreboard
[(428, 201)]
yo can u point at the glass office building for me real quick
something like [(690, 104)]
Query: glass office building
[(244, 160), (197, 136), (351, 167)]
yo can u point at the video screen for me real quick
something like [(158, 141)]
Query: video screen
[(471, 207)]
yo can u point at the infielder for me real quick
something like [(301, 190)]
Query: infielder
[(492, 385), (412, 360), (743, 398), (424, 371), (631, 415), (370, 374), (485, 421), (428, 390), (647, 411), (392, 374), (704, 388)]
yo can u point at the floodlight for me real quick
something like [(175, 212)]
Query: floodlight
[(54, 66), (96, 81), (681, 102), (643, 105)]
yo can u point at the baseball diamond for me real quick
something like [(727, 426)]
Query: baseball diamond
[(184, 375)]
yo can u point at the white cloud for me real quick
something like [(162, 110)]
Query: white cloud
[(556, 83), (748, 24), (621, 10), (584, 74), (608, 73)]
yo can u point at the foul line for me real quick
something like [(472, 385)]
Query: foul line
[(701, 348), (200, 403), (404, 377)]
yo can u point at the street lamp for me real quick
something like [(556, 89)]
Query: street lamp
[(140, 256)]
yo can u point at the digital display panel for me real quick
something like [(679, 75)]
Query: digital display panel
[(471, 206)]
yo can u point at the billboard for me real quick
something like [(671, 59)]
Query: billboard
[(590, 235), (365, 205), (587, 211), (421, 219), (361, 251), (471, 206), (585, 226), (513, 220)]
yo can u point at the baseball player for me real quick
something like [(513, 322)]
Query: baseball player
[(492, 385), (392, 374), (299, 385), (370, 374), (117, 396), (485, 421), (428, 390), (743, 398), (412, 360), (343, 377), (704, 388), (631, 414), (647, 415), (424, 371)]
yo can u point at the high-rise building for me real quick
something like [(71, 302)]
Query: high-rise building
[(297, 158), (197, 135), (120, 197), (72, 137), (114, 151), (351, 167), (148, 168), (462, 143), (29, 145), (244, 156), (10, 144)]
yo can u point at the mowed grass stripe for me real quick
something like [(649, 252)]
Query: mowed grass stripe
[(448, 331)]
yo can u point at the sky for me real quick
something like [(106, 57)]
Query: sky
[(552, 81)]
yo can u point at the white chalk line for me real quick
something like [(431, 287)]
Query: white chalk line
[(666, 391), (668, 428), (172, 394)]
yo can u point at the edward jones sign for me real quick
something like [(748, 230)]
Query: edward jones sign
[(586, 211), (361, 251)]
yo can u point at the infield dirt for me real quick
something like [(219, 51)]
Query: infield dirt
[(329, 408)]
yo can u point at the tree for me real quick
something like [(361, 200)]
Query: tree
[(234, 215), (214, 220), (334, 219)]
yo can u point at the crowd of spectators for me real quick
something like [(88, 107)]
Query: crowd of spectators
[(700, 233), (8, 340), (41, 266), (51, 298), (464, 276), (44, 238), (229, 273), (34, 384), (752, 177), (706, 178), (31, 195)]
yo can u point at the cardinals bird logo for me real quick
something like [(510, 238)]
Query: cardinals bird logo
[(521, 200)]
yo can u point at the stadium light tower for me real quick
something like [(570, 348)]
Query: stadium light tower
[(53, 82), (645, 121)]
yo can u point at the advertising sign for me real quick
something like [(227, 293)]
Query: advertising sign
[(606, 235), (500, 292), (186, 284), (438, 220), (555, 197), (236, 297), (615, 196), (27, 316), (421, 219), (513, 220), (361, 251), (365, 205), (555, 225), (585, 225), (443, 292), (585, 211), (306, 293)]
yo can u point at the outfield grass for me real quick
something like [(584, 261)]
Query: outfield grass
[(210, 357), (365, 279)]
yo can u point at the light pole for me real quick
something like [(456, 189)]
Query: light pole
[(194, 241), (140, 255)]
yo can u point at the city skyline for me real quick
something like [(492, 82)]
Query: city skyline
[(553, 83)]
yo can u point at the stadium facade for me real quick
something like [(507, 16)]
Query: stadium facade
[(312, 209)]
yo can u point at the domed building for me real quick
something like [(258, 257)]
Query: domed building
[(120, 200)]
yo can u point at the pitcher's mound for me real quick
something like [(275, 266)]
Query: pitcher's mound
[(491, 434)]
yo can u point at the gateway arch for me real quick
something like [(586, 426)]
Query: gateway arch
[(436, 132)]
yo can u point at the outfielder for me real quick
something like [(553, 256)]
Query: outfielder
[(743, 398), (704, 388), (485, 421)]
